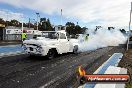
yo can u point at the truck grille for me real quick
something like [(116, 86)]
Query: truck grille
[(31, 49)]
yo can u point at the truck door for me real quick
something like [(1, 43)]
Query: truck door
[(64, 43)]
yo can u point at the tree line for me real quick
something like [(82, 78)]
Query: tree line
[(45, 25)]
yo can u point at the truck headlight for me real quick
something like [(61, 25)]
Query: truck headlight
[(39, 48), (24, 47)]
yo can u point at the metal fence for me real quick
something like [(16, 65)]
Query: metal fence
[(16, 36)]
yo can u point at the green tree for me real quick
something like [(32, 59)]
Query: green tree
[(2, 21), (45, 25), (73, 29), (84, 29), (14, 23), (49, 27), (70, 28), (78, 29)]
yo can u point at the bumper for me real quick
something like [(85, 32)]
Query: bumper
[(34, 54), (34, 50)]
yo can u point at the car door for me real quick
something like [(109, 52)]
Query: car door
[(64, 43)]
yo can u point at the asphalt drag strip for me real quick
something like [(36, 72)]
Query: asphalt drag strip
[(22, 71)]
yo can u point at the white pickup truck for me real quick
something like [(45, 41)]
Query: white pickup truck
[(50, 44)]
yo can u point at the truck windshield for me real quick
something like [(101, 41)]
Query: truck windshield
[(51, 35)]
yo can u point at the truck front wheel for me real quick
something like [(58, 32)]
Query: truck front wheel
[(51, 54)]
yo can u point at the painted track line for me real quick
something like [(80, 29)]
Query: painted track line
[(11, 54)]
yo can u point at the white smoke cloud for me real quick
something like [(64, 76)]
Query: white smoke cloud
[(102, 38)]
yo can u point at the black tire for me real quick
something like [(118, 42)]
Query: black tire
[(51, 54), (75, 50)]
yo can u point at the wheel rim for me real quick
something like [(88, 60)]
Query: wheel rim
[(51, 54), (75, 49)]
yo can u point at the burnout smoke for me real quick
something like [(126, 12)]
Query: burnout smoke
[(102, 38)]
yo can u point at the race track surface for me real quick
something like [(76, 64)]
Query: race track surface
[(22, 71)]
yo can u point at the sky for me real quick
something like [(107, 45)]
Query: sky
[(89, 13)]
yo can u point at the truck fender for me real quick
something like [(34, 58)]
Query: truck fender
[(54, 48)]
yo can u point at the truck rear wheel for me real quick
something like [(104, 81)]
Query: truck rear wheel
[(75, 50), (51, 54)]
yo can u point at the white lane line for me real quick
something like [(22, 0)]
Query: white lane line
[(11, 54), (120, 55), (10, 46)]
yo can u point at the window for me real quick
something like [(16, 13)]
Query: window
[(62, 36), (51, 35)]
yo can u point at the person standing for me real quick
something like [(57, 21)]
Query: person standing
[(24, 35), (86, 37)]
